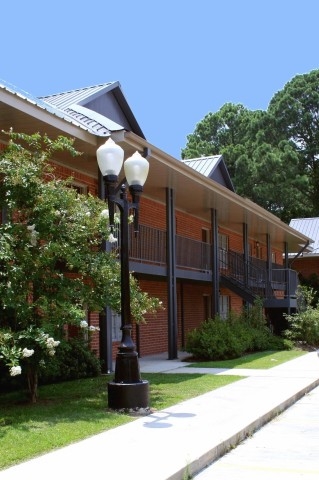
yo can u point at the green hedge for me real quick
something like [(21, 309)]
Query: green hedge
[(219, 339)]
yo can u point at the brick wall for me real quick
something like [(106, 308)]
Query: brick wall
[(64, 173), (188, 226), (152, 214), (153, 334), (306, 266)]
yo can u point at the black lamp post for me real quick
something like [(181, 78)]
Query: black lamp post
[(127, 390)]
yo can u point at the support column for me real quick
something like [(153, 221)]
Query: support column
[(246, 257), (269, 266), (287, 277), (171, 275), (246, 251), (215, 263)]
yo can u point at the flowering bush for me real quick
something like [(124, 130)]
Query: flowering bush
[(14, 353), (52, 266)]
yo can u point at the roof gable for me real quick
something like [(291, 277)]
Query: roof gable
[(105, 100), (212, 167)]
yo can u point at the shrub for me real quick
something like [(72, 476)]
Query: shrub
[(304, 325), (219, 339), (73, 360), (214, 340)]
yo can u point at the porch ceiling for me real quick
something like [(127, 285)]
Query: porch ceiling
[(197, 195)]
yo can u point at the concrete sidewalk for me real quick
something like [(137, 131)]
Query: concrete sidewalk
[(183, 439)]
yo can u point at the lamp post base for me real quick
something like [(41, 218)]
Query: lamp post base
[(128, 395)]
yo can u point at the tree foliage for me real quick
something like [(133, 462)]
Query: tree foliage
[(304, 324), (272, 155), (53, 268)]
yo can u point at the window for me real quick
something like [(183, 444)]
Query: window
[(258, 250), (223, 250), (207, 307), (223, 306), (205, 235), (116, 327), (79, 187)]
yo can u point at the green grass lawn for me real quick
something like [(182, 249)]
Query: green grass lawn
[(262, 360), (71, 411)]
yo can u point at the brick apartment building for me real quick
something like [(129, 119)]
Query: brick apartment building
[(202, 249), (307, 262)]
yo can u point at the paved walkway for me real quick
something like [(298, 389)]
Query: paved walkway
[(287, 448), (185, 438)]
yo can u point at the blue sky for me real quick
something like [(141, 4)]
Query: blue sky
[(176, 60)]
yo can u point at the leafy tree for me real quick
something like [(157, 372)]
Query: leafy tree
[(296, 110), (52, 265), (271, 155), (220, 132)]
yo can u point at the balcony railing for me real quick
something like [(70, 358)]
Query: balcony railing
[(150, 247), (192, 254), (245, 274)]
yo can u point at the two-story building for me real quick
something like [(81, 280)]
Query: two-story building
[(202, 249)]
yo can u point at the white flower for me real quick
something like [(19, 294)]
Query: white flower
[(51, 343), (93, 329), (88, 214), (15, 371), (33, 238), (112, 239), (33, 234), (83, 324), (27, 353), (51, 352), (105, 213)]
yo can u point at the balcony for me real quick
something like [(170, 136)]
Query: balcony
[(250, 279)]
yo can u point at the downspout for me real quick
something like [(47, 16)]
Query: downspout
[(299, 253)]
